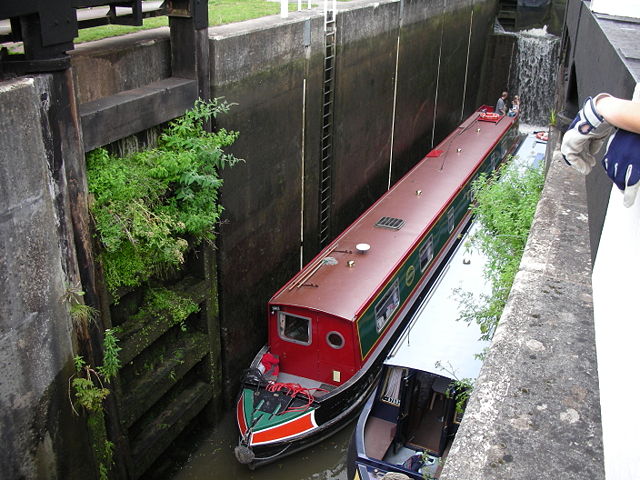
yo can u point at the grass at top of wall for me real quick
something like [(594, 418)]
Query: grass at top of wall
[(220, 12)]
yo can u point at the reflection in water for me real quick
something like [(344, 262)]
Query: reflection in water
[(214, 459)]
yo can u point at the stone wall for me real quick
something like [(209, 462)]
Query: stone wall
[(37, 427)]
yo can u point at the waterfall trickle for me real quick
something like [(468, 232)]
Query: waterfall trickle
[(535, 75)]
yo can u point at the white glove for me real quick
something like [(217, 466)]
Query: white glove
[(585, 136)]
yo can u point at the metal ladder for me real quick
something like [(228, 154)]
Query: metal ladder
[(326, 141)]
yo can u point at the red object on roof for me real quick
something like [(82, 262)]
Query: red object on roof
[(435, 153)]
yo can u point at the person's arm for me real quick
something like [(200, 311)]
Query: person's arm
[(592, 126), (620, 113)]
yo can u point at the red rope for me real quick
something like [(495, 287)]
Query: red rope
[(293, 390)]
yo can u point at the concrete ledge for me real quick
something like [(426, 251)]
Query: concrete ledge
[(111, 118), (535, 411)]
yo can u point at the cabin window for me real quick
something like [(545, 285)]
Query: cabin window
[(335, 340), (294, 328), (426, 253), (450, 221), (387, 305)]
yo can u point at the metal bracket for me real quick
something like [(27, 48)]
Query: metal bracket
[(195, 9), (134, 19)]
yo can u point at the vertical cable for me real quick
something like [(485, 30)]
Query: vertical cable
[(466, 68), (435, 101), (302, 160), (393, 113)]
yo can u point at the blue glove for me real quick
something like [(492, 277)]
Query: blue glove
[(622, 163), (585, 136)]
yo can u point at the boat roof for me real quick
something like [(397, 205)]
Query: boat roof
[(327, 285), (436, 341)]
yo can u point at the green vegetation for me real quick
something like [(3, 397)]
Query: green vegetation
[(88, 387), (505, 205), (89, 392), (166, 305), (149, 207), (88, 383), (460, 388), (77, 309), (220, 12)]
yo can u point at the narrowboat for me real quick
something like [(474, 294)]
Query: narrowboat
[(331, 326), (408, 423)]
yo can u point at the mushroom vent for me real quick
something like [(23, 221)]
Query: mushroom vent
[(363, 247)]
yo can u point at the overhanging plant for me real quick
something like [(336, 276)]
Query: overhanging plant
[(151, 206)]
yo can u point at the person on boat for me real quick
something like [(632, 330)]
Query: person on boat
[(607, 117), (515, 106), (501, 104)]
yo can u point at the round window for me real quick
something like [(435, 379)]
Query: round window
[(335, 339)]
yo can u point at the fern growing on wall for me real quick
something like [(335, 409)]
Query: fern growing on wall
[(151, 206)]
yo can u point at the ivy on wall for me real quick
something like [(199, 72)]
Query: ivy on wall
[(151, 206)]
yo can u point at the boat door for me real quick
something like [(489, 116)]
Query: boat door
[(295, 342), (335, 350)]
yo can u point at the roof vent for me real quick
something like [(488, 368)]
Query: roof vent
[(390, 222)]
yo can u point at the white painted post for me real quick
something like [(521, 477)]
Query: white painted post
[(299, 5), (284, 8)]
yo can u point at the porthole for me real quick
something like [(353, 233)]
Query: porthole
[(335, 340)]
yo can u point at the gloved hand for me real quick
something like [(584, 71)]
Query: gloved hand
[(585, 136), (622, 163)]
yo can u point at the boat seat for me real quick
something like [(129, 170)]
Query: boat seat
[(378, 436)]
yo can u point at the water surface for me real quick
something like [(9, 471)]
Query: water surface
[(214, 459)]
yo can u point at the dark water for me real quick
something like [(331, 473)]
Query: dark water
[(214, 459)]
